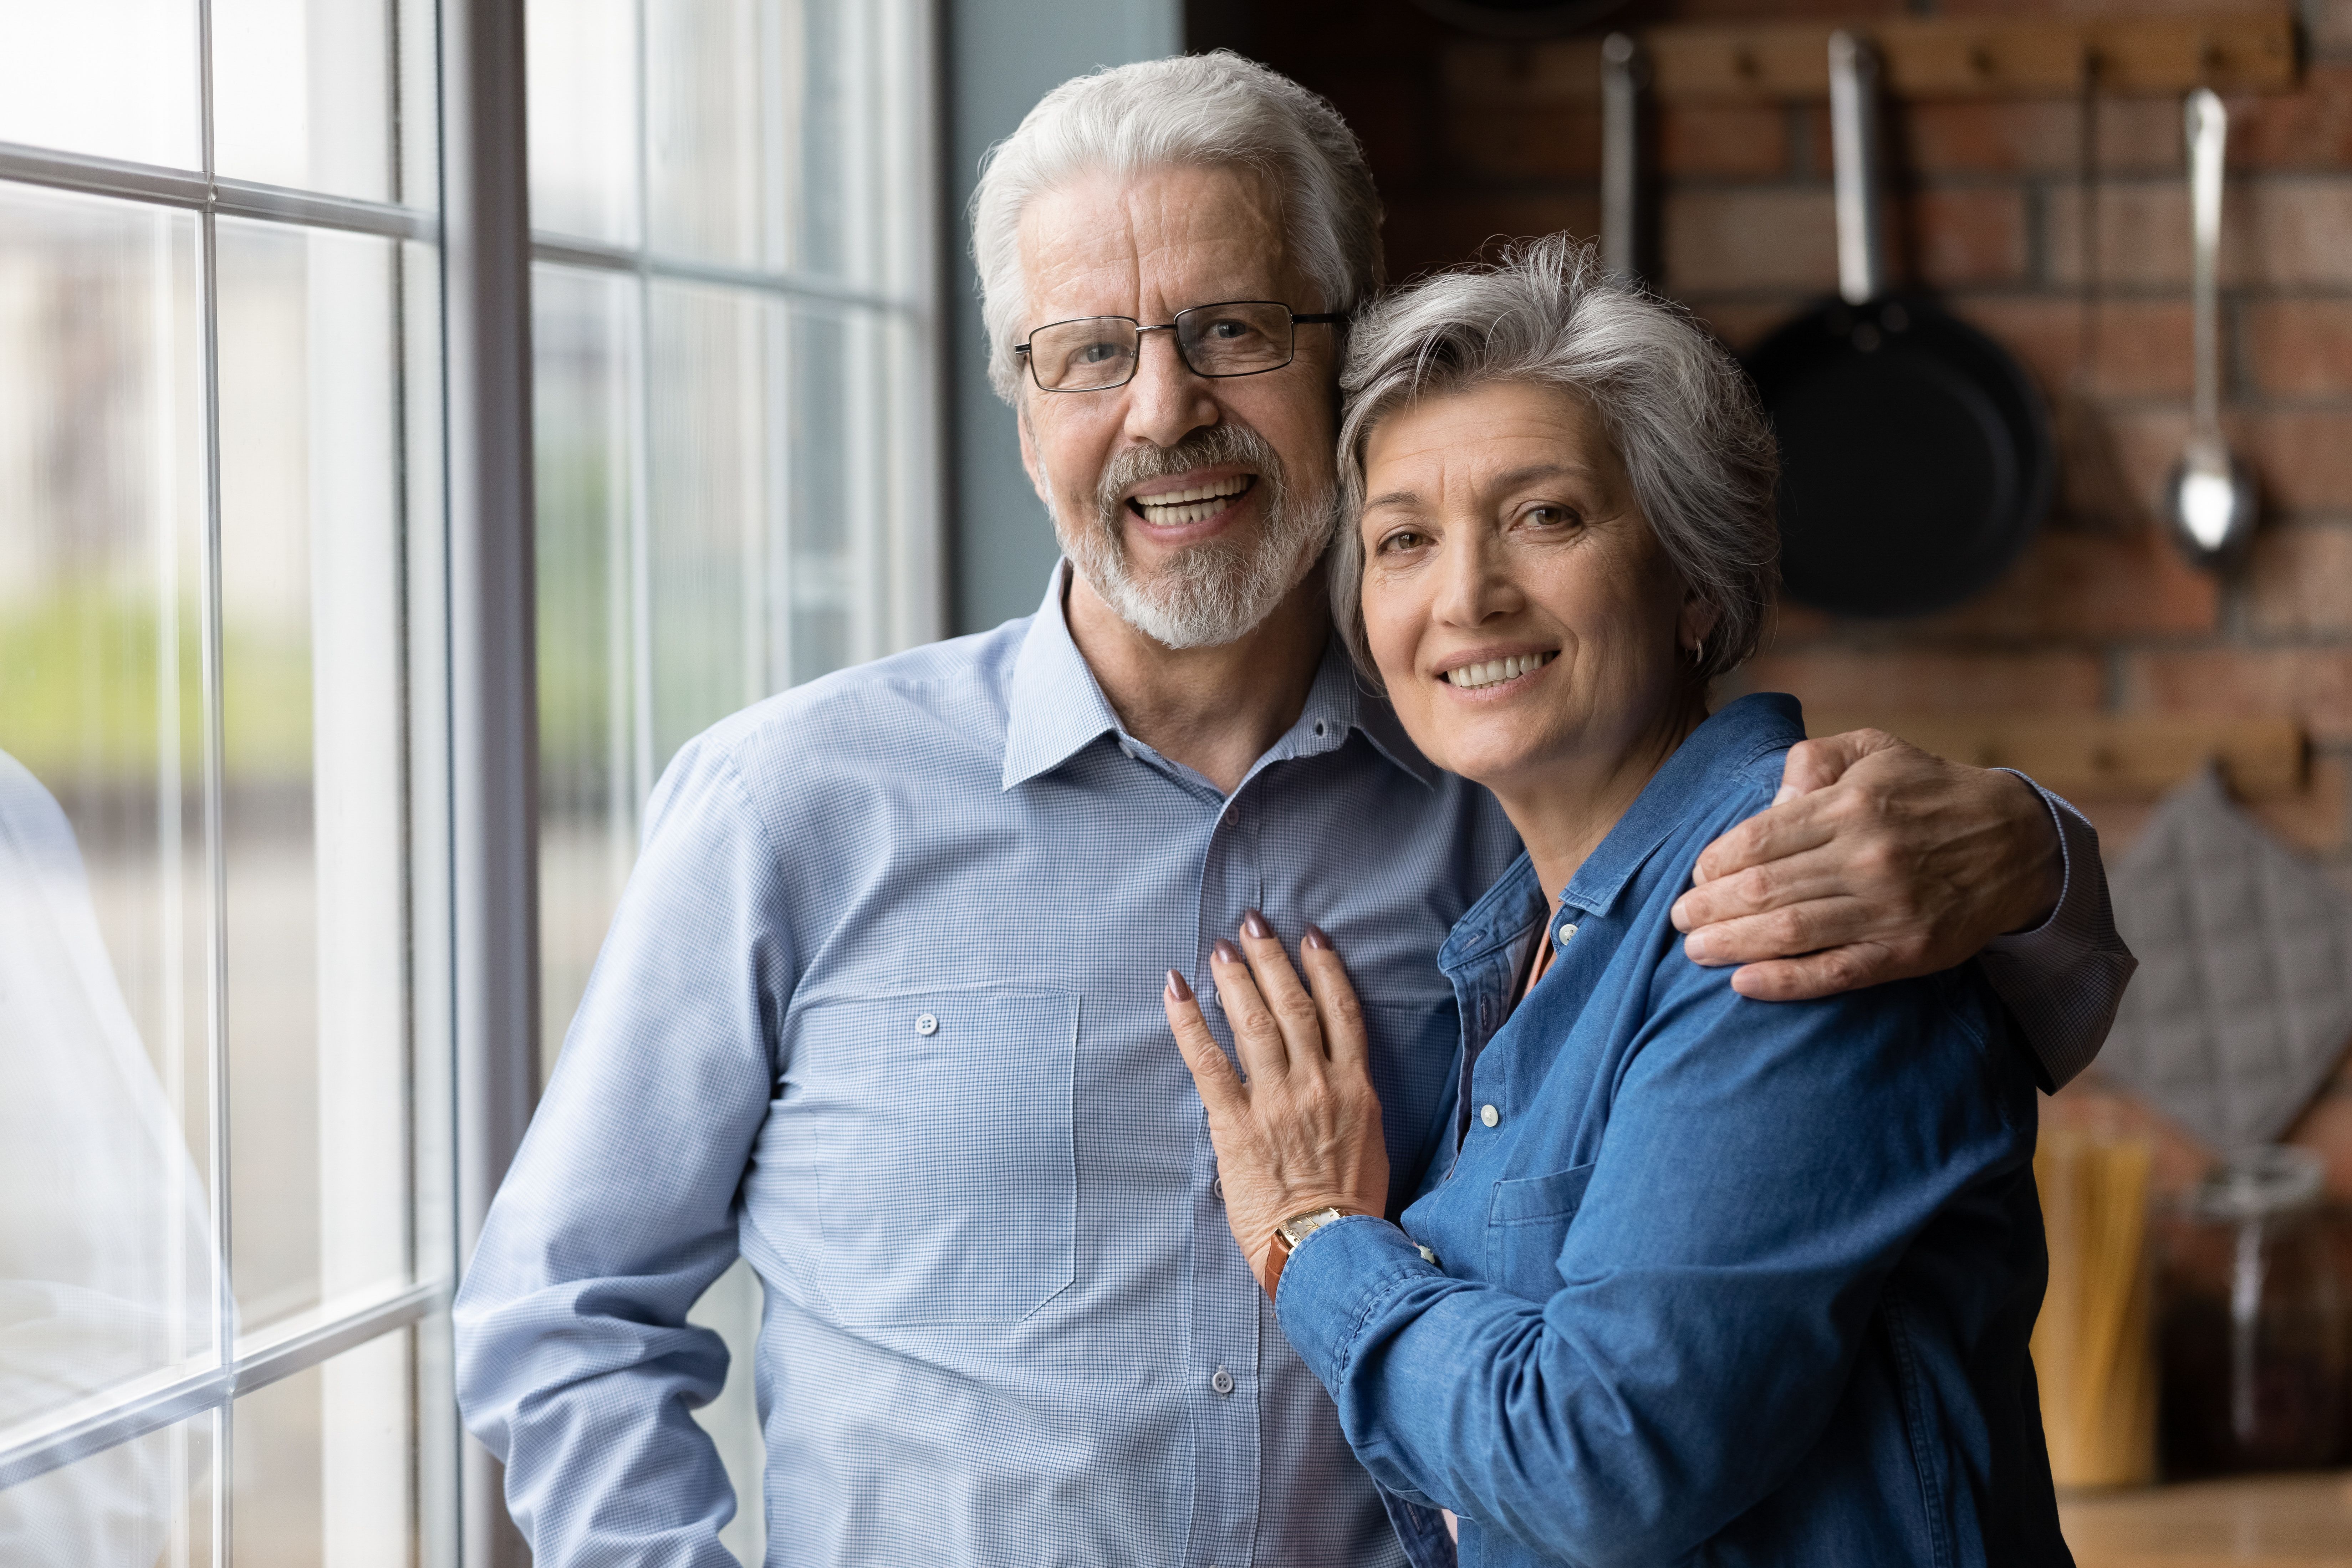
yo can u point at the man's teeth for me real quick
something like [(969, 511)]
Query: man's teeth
[(1173, 508), (1471, 676)]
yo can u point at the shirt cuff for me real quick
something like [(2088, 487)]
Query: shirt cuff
[(1334, 1282), (2064, 979)]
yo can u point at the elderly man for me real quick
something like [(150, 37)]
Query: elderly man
[(881, 1009)]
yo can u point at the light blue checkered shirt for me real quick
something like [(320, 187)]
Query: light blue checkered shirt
[(881, 1011)]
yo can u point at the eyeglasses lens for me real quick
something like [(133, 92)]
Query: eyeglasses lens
[(1234, 340), (1078, 356)]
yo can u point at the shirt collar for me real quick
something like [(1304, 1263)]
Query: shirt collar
[(1704, 765), (1056, 708)]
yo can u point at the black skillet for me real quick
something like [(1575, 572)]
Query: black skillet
[(1915, 456)]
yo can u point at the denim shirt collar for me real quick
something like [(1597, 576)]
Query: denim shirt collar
[(1729, 740), (1056, 708)]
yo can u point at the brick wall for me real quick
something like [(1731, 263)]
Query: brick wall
[(2101, 615)]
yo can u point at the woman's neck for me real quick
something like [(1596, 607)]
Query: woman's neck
[(1563, 812)]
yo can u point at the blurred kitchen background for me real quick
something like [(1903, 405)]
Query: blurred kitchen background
[(761, 447)]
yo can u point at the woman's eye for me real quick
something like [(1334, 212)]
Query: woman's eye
[(1401, 540), (1549, 516)]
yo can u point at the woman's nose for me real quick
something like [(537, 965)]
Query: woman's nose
[(1166, 402), (1474, 585)]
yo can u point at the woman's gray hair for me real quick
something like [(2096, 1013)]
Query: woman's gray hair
[(1203, 110), (1680, 411)]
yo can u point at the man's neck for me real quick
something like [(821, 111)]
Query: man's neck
[(1214, 709)]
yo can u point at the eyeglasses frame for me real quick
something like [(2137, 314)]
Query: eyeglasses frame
[(1317, 318)]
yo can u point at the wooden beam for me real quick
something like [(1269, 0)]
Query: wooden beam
[(2102, 757), (1924, 57)]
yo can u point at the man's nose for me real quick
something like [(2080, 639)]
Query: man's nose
[(1166, 402)]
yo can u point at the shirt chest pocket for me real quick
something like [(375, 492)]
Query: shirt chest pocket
[(1527, 1227), (940, 1126)]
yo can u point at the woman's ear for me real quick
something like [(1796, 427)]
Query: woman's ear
[(1697, 621)]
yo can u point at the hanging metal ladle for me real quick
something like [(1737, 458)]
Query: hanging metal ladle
[(2210, 500)]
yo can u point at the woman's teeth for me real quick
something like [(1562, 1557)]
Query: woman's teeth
[(1472, 676), (1173, 508)]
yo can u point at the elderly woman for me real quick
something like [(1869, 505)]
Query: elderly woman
[(1699, 1275)]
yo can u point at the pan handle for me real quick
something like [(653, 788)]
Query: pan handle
[(1853, 141), (1621, 157), (2208, 124)]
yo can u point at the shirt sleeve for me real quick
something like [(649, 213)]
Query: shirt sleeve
[(1765, 1167), (575, 1364), (2064, 979)]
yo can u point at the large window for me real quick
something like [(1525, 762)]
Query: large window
[(733, 204), (227, 1108), (222, 1271)]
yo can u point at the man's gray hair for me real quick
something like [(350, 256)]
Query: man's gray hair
[(1683, 419), (1203, 110)]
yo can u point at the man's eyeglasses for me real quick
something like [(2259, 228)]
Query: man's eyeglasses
[(1095, 353)]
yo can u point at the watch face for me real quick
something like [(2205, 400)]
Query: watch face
[(1300, 1228)]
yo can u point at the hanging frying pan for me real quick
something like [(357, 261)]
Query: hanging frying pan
[(1916, 456)]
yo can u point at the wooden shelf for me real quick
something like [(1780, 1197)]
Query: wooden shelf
[(2284, 1522), (1924, 57), (2103, 757)]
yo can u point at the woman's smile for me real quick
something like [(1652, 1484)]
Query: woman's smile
[(1488, 676)]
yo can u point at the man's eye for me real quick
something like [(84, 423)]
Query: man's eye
[(1097, 353)]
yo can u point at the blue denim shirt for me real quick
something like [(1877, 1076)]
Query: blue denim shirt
[(1709, 1279)]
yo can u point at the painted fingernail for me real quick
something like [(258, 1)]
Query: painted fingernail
[(1317, 939), (1254, 924), (1226, 952), (1177, 988)]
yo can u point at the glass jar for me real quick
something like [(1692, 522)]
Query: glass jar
[(2252, 1342)]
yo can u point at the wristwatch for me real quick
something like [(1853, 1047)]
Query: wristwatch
[(1288, 1234)]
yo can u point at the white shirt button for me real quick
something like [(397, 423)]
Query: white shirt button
[(1219, 1186), (1223, 1382), (1489, 1115), (1566, 931), (926, 1024), (1431, 1258)]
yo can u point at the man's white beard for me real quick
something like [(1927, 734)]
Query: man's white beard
[(1221, 589)]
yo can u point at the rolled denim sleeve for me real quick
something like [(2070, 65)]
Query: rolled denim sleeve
[(1765, 1165), (2064, 978), (575, 1364)]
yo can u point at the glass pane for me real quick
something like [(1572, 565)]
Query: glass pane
[(593, 768), (106, 1271), (116, 78), (715, 94), (711, 519), (312, 800), (145, 1503), (859, 138), (325, 1468), (581, 57), (302, 94)]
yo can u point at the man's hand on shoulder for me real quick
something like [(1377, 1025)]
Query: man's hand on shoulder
[(1877, 862)]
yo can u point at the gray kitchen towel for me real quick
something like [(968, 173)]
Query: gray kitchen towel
[(2242, 1004)]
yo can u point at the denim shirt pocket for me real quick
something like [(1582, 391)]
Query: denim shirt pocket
[(940, 1128), (1527, 1225)]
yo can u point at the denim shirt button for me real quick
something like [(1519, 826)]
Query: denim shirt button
[(1223, 1382), (1489, 1115), (1430, 1257), (1566, 931)]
